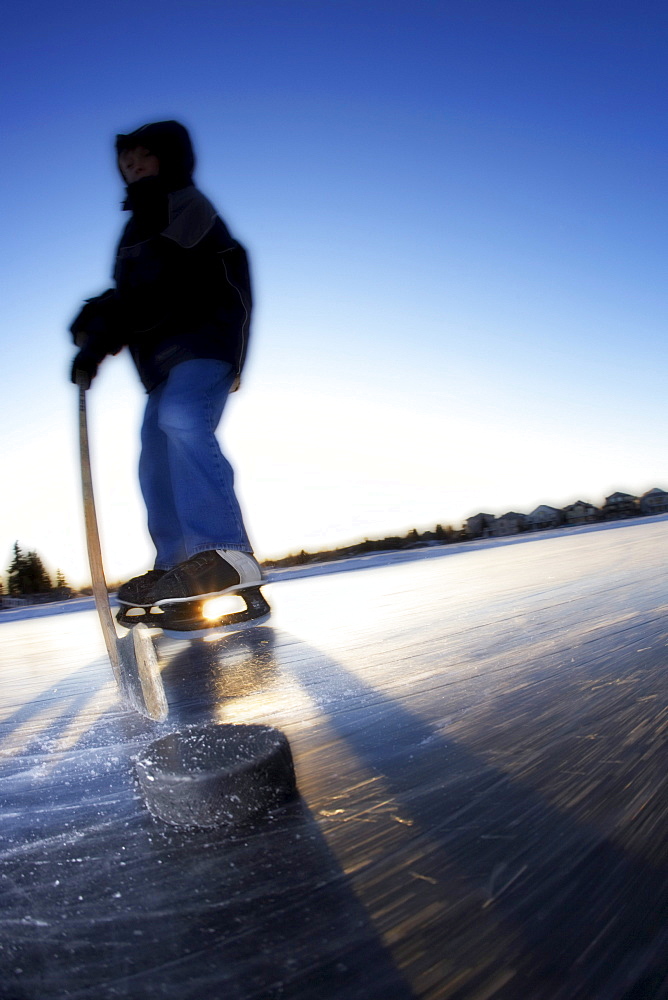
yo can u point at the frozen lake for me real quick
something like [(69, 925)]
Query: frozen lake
[(480, 743)]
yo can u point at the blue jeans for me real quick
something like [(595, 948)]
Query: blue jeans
[(187, 483)]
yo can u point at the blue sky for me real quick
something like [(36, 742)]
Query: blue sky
[(456, 218)]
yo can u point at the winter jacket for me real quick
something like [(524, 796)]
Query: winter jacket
[(182, 284)]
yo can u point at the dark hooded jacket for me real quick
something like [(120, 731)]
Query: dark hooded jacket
[(182, 285)]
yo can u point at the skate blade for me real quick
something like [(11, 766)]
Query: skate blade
[(130, 615), (215, 629), (201, 618)]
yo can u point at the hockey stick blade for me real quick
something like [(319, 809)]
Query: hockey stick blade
[(140, 674)]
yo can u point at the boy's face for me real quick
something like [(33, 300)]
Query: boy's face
[(136, 163)]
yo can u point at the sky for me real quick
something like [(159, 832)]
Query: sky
[(455, 213)]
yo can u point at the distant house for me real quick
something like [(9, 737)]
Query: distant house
[(654, 501), (509, 524), (544, 517), (620, 505), (480, 525), (581, 512)]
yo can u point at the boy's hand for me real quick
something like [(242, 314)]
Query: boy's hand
[(84, 368)]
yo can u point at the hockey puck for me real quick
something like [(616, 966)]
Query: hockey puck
[(216, 775)]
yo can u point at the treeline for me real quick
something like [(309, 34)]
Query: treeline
[(413, 539), (26, 576)]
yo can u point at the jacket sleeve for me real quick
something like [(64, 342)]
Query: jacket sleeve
[(228, 271), (98, 324), (237, 272)]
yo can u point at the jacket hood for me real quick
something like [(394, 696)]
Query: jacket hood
[(171, 143)]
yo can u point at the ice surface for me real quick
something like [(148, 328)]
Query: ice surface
[(479, 740)]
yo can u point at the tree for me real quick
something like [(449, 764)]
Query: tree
[(16, 571), (39, 581), (26, 574)]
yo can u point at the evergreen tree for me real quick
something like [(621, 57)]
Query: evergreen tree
[(39, 581), (60, 579), (16, 571), (26, 574)]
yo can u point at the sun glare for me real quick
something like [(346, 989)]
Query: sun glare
[(228, 604)]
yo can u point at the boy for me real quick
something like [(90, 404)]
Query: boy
[(181, 303)]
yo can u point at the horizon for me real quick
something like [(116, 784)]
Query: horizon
[(351, 543)]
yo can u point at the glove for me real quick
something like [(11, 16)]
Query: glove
[(95, 319), (84, 367)]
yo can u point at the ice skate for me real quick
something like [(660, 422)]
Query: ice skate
[(136, 591), (218, 589), (205, 575)]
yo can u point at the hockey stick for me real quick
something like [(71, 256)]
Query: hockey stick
[(132, 656)]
